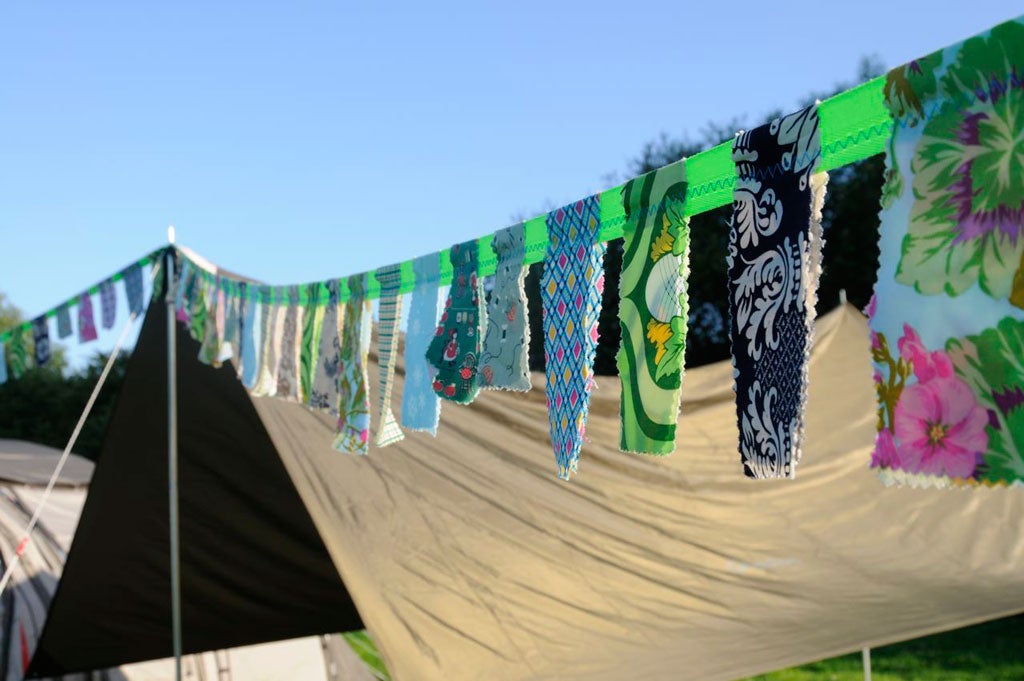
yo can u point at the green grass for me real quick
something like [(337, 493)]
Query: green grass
[(993, 651)]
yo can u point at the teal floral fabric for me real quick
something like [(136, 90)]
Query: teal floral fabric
[(947, 319)]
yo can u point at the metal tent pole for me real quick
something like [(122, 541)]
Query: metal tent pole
[(172, 457), (865, 656)]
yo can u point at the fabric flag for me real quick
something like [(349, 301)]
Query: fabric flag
[(195, 296), (421, 408), (354, 397), (86, 323), (185, 273), (505, 360), (209, 349), (63, 321), (324, 393), (267, 356), (774, 262), (653, 308), (571, 291), (390, 278), (17, 353), (288, 386), (455, 349), (312, 321), (947, 319), (108, 304), (3, 363), (252, 314), (41, 340), (133, 288), (232, 324)]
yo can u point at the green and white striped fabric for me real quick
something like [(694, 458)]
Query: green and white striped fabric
[(390, 278)]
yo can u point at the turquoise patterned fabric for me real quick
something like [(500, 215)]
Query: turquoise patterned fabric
[(571, 294)]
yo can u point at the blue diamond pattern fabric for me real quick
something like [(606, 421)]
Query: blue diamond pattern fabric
[(571, 290), (133, 288)]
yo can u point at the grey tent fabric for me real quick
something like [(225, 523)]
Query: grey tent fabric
[(29, 463)]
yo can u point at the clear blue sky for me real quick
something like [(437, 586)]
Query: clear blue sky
[(295, 141)]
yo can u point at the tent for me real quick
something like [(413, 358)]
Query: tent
[(25, 468), (466, 558)]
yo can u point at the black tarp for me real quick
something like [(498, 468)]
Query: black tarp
[(253, 566)]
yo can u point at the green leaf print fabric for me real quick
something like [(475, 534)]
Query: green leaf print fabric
[(653, 309), (312, 322), (455, 348), (353, 393), (17, 352), (947, 318)]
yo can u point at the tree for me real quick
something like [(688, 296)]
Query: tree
[(44, 404)]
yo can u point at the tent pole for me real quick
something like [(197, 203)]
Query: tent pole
[(172, 459), (865, 656)]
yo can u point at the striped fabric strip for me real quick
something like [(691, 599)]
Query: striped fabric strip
[(390, 278)]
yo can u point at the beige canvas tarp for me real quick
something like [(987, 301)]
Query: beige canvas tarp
[(468, 559)]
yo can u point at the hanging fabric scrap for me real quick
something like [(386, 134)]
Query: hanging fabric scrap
[(653, 309), (41, 340), (86, 322), (324, 394), (288, 371), (133, 288), (455, 348), (571, 290), (421, 407), (505, 359), (947, 319), (63, 321), (774, 263), (17, 353), (354, 397), (309, 346), (390, 278), (108, 304)]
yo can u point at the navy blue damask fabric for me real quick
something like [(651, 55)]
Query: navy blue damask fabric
[(773, 268)]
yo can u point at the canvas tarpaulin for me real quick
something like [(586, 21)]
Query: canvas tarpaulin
[(468, 559)]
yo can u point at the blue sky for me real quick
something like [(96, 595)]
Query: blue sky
[(295, 141)]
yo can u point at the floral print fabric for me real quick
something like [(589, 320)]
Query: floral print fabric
[(63, 321), (108, 304), (421, 407), (17, 352), (947, 327), (653, 309), (288, 386), (505, 361), (390, 278), (455, 348), (354, 397), (309, 346), (571, 291), (774, 262)]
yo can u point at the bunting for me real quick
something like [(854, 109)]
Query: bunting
[(571, 291), (86, 323), (63, 321), (312, 319), (774, 263), (390, 278), (108, 304), (41, 340), (133, 288), (3, 362), (421, 407), (455, 348), (288, 386), (947, 320), (653, 309), (354, 398), (324, 394), (505, 360)]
